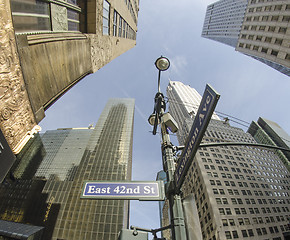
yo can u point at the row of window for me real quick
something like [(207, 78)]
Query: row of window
[(249, 192), (269, 8), (261, 1), (265, 50), (248, 177), (121, 28), (252, 201), (250, 232), (269, 18), (130, 8), (239, 211), (245, 184), (281, 30), (37, 15)]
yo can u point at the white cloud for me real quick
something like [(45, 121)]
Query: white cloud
[(178, 64)]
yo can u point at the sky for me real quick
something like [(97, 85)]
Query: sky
[(249, 89)]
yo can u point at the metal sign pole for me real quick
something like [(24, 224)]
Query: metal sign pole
[(176, 210)]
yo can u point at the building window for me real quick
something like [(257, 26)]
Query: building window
[(274, 53), (265, 18), (41, 15), (264, 50), (275, 18), (228, 235), (115, 23), (286, 18), (262, 28), (250, 232), (30, 15), (244, 233), (232, 222), (271, 29), (225, 222), (278, 41), (228, 211), (282, 30), (106, 18), (235, 234), (120, 26), (278, 7)]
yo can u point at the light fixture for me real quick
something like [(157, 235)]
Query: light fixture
[(151, 119), (162, 63)]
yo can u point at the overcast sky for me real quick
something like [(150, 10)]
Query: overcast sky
[(248, 88)]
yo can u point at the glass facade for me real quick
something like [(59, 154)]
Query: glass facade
[(47, 180)]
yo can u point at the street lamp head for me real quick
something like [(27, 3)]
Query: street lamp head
[(162, 63), (152, 118)]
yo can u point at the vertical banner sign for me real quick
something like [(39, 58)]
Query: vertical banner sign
[(200, 123), (7, 157)]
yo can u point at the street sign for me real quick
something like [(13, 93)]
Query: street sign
[(200, 123), (136, 190)]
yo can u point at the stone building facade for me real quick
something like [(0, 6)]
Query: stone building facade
[(257, 28), (47, 47)]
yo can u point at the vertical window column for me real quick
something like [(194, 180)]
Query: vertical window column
[(106, 18), (115, 23)]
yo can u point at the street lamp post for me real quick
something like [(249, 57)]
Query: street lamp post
[(159, 117)]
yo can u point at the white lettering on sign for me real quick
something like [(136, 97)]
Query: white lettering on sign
[(93, 189), (195, 134), (127, 190), (1, 147), (149, 190)]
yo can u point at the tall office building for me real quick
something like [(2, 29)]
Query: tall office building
[(47, 47), (257, 28), (50, 172), (178, 93), (241, 192), (268, 132), (223, 21)]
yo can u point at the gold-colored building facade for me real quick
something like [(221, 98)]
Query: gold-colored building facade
[(47, 47)]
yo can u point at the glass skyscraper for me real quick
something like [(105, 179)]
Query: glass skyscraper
[(46, 182), (241, 192), (268, 132)]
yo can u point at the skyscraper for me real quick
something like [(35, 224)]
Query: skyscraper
[(257, 28), (183, 113), (223, 21), (47, 47), (240, 191), (50, 171), (268, 132)]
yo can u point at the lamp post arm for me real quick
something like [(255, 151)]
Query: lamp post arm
[(159, 74)]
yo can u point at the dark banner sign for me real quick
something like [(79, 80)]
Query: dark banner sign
[(200, 123)]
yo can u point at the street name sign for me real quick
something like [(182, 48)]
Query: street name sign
[(135, 190), (200, 123)]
